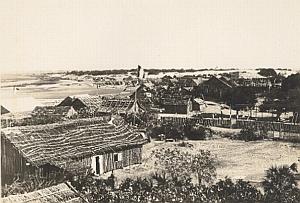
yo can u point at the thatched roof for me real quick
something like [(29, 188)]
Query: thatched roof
[(90, 101), (51, 110), (59, 144), (86, 101), (59, 193), (3, 110), (116, 105), (99, 104)]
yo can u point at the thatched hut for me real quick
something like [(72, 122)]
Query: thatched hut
[(54, 112), (52, 149), (101, 105)]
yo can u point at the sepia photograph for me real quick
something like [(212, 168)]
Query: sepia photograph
[(106, 101)]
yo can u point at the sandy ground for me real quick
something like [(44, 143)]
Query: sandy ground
[(235, 159), (60, 90)]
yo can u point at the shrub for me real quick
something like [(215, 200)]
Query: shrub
[(197, 132), (248, 134), (241, 191), (27, 185), (175, 163), (154, 132), (280, 185), (185, 144)]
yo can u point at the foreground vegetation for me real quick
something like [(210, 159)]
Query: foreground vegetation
[(173, 183)]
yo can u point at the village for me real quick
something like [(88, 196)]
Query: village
[(125, 135)]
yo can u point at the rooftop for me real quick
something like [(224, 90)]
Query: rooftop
[(60, 143), (59, 193)]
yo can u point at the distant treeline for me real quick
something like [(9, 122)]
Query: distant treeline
[(101, 72), (134, 71)]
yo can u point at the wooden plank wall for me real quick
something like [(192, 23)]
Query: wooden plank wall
[(132, 156), (12, 163), (129, 157)]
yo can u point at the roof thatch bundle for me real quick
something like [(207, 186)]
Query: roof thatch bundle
[(61, 143), (89, 101), (99, 104), (50, 111), (59, 193), (115, 105)]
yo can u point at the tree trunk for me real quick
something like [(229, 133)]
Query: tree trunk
[(199, 179)]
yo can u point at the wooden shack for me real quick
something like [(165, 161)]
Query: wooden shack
[(52, 149), (101, 105), (215, 87)]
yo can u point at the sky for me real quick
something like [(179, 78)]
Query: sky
[(51, 35)]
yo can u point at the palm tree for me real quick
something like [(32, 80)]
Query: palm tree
[(280, 185)]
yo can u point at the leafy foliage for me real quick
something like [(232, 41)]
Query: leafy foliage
[(159, 189), (241, 191), (175, 163), (177, 131), (170, 130), (27, 185), (240, 98), (267, 72), (291, 82), (185, 144), (202, 164), (280, 185), (287, 98), (198, 132), (248, 134)]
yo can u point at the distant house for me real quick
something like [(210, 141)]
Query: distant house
[(261, 82), (209, 109), (51, 150), (190, 82), (215, 87), (120, 106), (232, 75), (102, 105), (82, 101), (3, 110), (175, 106), (195, 106), (54, 112), (62, 192)]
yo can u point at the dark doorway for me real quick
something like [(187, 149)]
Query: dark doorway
[(97, 165)]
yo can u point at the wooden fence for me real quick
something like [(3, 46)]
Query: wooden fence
[(238, 124), (269, 126)]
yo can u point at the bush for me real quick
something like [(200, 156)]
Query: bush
[(27, 185), (177, 131), (176, 163), (248, 134), (154, 132), (267, 72), (185, 144), (170, 130), (241, 191), (280, 185), (197, 132)]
